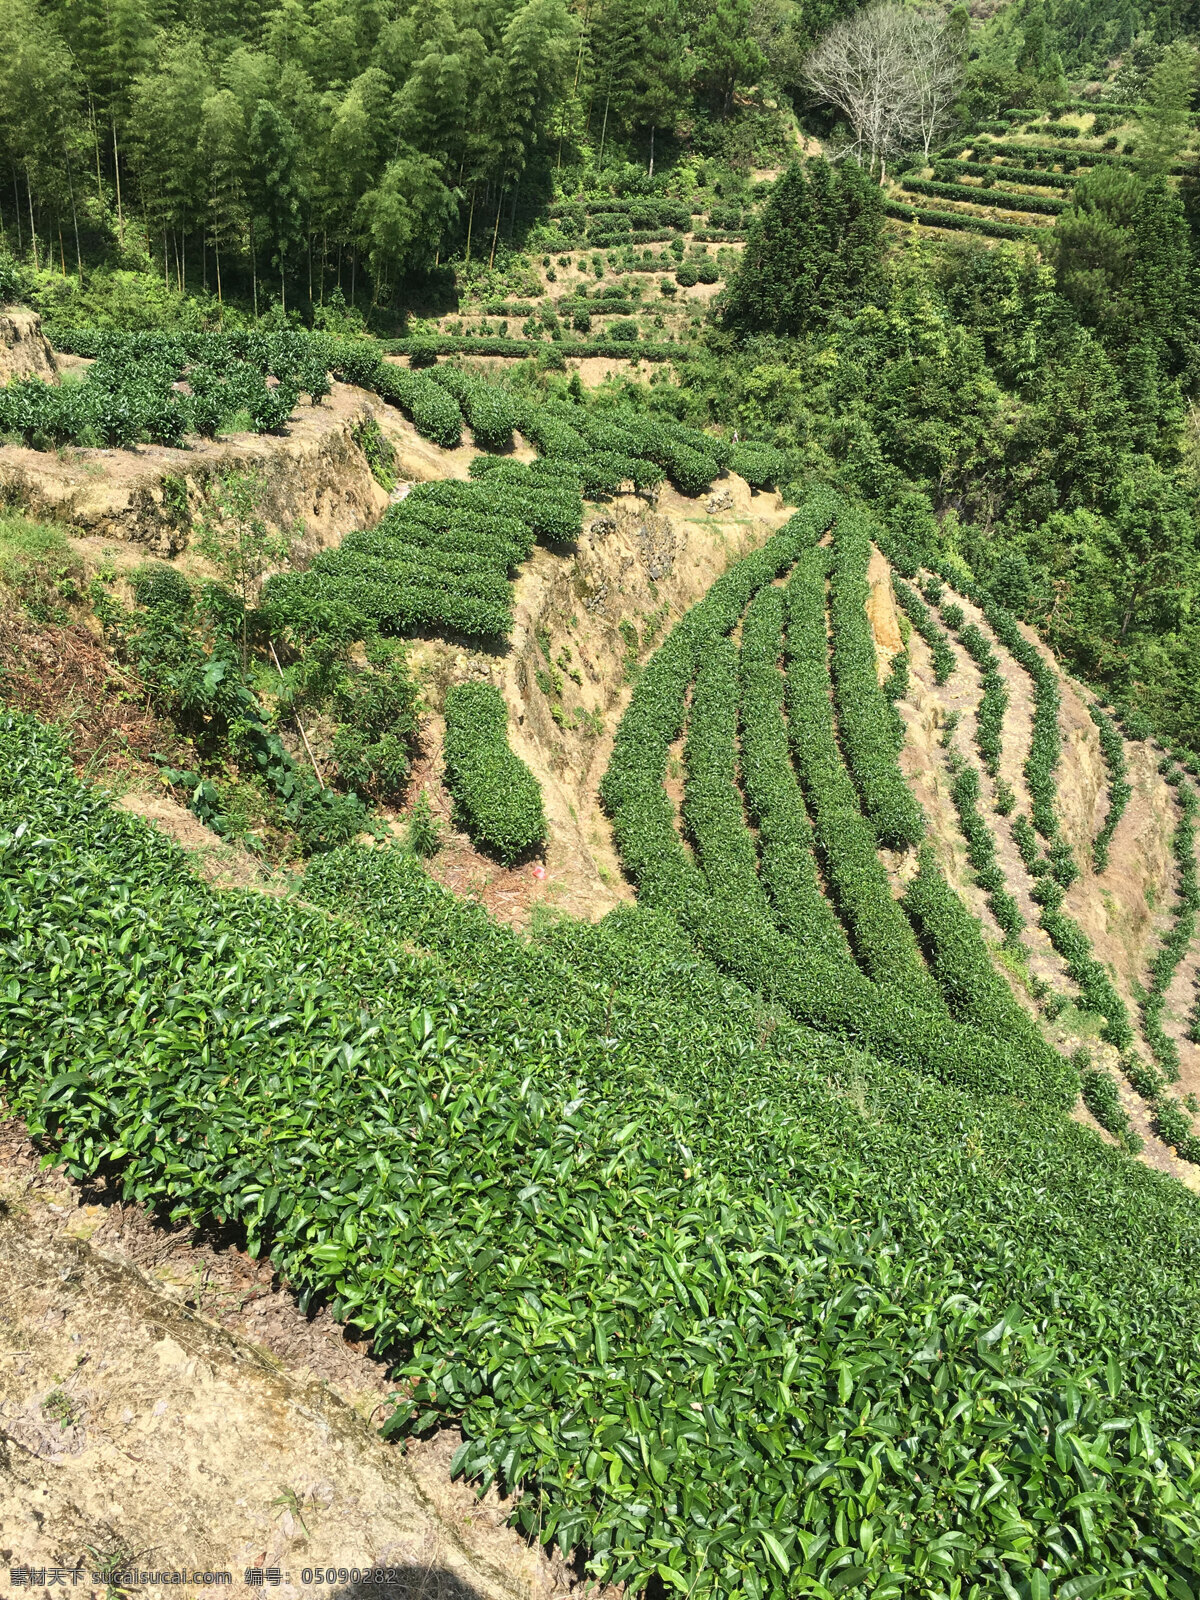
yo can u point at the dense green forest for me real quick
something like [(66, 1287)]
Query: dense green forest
[(347, 142), (310, 144)]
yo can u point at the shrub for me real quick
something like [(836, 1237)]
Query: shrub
[(157, 585), (689, 470), (1102, 1099), (429, 407), (785, 835), (961, 220), (497, 797), (1112, 748), (13, 287), (491, 415), (440, 558), (1097, 991), (424, 831), (870, 734), (944, 663), (725, 218), (358, 362), (761, 466), (857, 880), (605, 1095), (981, 853), (952, 940), (989, 717), (986, 195), (1177, 941)]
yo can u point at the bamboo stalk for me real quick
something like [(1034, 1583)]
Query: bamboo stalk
[(299, 724)]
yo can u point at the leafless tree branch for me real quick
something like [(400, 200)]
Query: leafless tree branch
[(893, 72)]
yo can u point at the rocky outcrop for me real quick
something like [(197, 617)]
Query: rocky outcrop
[(24, 349)]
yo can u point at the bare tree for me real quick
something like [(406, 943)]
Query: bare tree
[(893, 72), (937, 50)]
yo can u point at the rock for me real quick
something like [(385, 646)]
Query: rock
[(657, 541), (24, 350)]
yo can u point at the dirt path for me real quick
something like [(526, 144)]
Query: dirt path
[(163, 1401)]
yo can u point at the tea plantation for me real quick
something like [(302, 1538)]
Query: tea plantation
[(745, 1234)]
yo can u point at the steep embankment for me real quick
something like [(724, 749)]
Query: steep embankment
[(584, 621), (136, 1363), (1125, 905), (1065, 947), (147, 497), (24, 349), (584, 625)]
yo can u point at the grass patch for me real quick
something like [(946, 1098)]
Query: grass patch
[(38, 565)]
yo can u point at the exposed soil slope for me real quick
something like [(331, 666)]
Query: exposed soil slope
[(164, 1403), (636, 568), (145, 496), (1124, 911), (24, 349)]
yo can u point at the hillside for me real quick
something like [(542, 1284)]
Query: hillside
[(599, 776), (1018, 174), (781, 734), (1061, 1186)]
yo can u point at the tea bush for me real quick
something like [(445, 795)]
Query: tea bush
[(496, 796), (734, 1258)]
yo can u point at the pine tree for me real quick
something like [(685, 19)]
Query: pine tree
[(660, 70), (727, 53), (1162, 277), (1165, 117), (815, 251), (1095, 243)]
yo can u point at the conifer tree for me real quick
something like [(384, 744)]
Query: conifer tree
[(815, 252), (1162, 278), (660, 70), (1165, 117), (727, 53)]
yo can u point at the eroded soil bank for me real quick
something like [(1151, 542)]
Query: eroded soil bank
[(163, 1403)]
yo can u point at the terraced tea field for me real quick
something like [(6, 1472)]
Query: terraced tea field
[(1015, 177), (793, 1230)]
